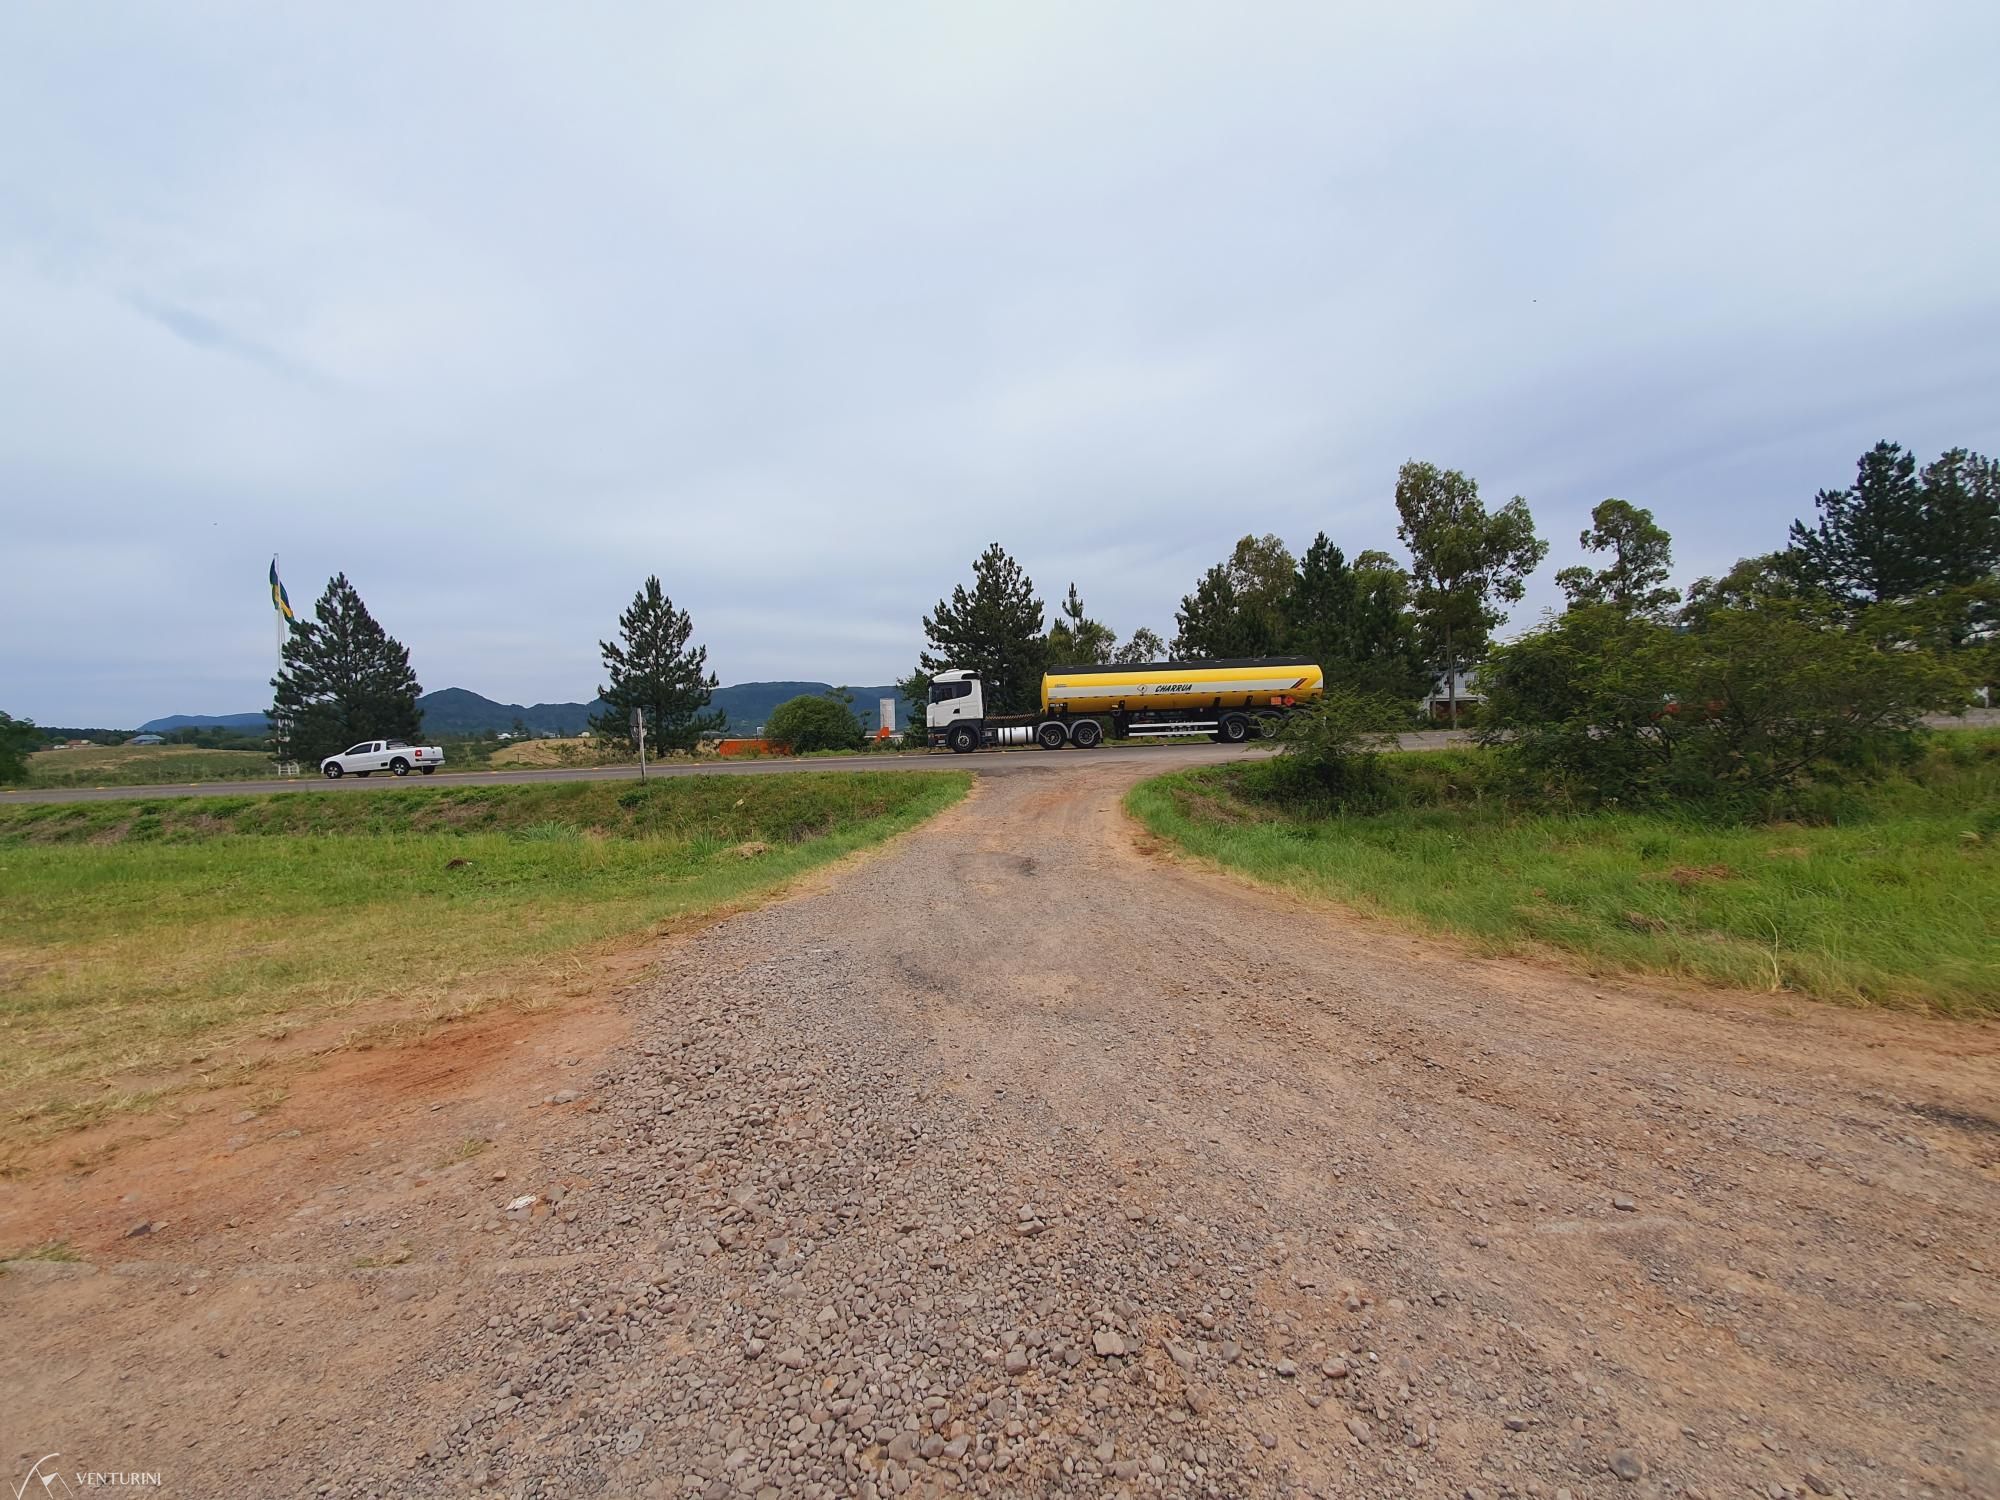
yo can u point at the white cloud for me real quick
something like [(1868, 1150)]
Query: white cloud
[(499, 308)]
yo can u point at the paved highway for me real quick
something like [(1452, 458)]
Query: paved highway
[(984, 762)]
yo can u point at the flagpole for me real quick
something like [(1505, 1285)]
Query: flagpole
[(278, 640), (278, 620)]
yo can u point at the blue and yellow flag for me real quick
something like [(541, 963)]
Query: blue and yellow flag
[(279, 602)]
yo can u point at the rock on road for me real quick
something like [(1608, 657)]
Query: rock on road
[(1023, 1159)]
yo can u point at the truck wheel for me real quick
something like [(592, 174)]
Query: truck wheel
[(1086, 734), (400, 766), (361, 773), (964, 739), (429, 769), (333, 771), (1268, 725), (1233, 730), (1052, 735)]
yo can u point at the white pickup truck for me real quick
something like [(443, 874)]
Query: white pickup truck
[(393, 756)]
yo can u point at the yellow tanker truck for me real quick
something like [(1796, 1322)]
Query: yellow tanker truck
[(1230, 701)]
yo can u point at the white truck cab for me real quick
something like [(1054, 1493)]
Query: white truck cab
[(956, 717), (956, 697)]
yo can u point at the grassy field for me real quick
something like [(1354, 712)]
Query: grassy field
[(144, 765), (1896, 901), (140, 939), (533, 755)]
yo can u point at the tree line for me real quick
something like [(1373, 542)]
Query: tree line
[(1890, 582), (1810, 661), (343, 678), (1925, 539), (1372, 624)]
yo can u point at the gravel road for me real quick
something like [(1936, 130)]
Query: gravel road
[(1023, 1159)]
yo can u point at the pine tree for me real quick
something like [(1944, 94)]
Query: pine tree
[(1386, 657), (1641, 555), (1319, 612), (1209, 626), (652, 667), (344, 679), (1354, 622), (1961, 518), (1076, 640), (1869, 545), (996, 631)]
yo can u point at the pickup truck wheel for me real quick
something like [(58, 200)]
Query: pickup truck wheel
[(361, 773), (964, 739), (400, 766), (1086, 734), (1052, 735), (1233, 730), (428, 769), (333, 771)]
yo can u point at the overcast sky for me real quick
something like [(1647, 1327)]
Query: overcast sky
[(499, 308)]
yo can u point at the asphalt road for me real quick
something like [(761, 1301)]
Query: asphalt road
[(984, 762)]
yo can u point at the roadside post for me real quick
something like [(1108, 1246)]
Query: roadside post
[(639, 734)]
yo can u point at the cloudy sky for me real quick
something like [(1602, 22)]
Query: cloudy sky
[(499, 308)]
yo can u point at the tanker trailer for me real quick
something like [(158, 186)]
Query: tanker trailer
[(1229, 701)]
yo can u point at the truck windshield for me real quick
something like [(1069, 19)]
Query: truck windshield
[(942, 691)]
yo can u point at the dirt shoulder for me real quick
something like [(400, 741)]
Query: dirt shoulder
[(1027, 1159)]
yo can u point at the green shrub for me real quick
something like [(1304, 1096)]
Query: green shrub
[(18, 739), (809, 723), (1329, 755), (1747, 712)]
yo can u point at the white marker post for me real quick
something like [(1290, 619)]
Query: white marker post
[(639, 734)]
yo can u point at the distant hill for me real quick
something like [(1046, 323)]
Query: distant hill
[(248, 723), (462, 711), (749, 704)]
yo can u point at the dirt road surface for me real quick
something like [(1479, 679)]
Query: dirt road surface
[(1024, 1159)]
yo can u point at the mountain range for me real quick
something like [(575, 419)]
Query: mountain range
[(462, 711)]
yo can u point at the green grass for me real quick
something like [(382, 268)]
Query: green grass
[(1896, 901), (143, 765), (54, 1250), (142, 938)]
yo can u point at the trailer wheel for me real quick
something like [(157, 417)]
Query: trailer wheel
[(1233, 730), (1086, 734), (1052, 735), (964, 739), (1268, 725)]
